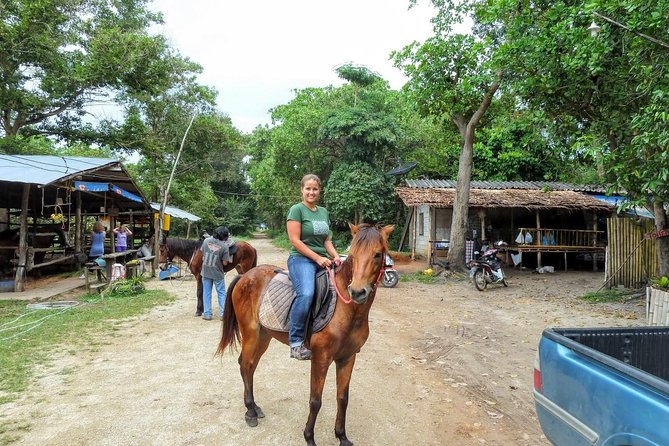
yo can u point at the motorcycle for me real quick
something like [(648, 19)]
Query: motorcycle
[(391, 276), (486, 268)]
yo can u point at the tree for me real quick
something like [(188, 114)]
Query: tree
[(610, 91), (321, 129), (454, 76), (60, 56), (357, 192)]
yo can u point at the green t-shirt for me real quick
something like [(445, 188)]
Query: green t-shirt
[(315, 227)]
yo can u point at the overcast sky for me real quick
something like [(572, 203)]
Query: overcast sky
[(256, 52)]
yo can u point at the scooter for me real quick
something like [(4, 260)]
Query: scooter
[(391, 276), (486, 268)]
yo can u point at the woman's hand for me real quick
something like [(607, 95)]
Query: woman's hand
[(336, 260), (323, 262)]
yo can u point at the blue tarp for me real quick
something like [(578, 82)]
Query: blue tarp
[(618, 201), (105, 187)]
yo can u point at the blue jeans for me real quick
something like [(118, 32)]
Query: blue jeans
[(302, 272), (207, 288)]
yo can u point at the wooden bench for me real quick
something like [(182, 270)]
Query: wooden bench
[(100, 281)]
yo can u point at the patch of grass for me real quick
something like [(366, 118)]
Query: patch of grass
[(611, 295), (418, 276), (28, 337)]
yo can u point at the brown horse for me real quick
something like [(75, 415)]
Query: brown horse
[(356, 280), (244, 258)]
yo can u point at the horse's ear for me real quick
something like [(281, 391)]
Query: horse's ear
[(354, 228), (386, 230)]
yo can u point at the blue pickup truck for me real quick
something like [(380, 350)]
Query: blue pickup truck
[(603, 386)]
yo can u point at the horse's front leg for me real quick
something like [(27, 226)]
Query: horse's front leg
[(344, 371), (319, 370)]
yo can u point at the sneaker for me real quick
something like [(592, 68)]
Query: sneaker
[(300, 352), (206, 318)]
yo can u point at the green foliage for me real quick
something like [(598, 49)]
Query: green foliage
[(357, 193), (325, 129), (661, 283), (611, 295), (125, 287), (419, 277), (238, 215), (58, 56)]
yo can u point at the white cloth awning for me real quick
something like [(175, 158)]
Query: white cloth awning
[(176, 212)]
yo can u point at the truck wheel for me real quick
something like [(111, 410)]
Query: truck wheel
[(479, 280), (390, 279)]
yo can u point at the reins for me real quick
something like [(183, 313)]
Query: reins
[(334, 283)]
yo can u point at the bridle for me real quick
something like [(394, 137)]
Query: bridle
[(331, 272)]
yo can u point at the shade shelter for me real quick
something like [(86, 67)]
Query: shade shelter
[(48, 198)]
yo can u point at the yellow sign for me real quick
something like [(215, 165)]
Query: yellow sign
[(166, 220)]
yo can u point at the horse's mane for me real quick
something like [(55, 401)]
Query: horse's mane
[(182, 247)]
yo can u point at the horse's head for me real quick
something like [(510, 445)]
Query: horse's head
[(165, 255), (367, 253)]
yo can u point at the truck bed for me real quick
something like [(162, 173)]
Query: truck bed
[(604, 386), (644, 348)]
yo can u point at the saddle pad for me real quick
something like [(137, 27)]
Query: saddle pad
[(275, 305)]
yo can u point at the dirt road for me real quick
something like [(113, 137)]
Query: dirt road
[(444, 365)]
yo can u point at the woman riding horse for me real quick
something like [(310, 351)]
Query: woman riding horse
[(356, 280)]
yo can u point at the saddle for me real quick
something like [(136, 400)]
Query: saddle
[(232, 250), (274, 312)]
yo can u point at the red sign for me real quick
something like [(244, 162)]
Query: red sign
[(657, 234)]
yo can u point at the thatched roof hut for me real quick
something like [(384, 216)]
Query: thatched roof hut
[(530, 199)]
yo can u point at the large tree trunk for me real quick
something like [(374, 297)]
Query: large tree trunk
[(456, 251), (662, 243)]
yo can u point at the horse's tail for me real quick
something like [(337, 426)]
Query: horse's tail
[(230, 336)]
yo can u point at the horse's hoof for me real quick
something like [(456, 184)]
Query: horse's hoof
[(251, 421), (345, 442), (259, 411)]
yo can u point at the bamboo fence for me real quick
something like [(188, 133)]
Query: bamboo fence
[(631, 259), (657, 306)]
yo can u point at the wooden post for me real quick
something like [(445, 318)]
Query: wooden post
[(594, 241), (4, 219), (188, 230), (157, 230), (19, 279), (78, 246), (537, 240), (132, 228), (481, 215), (413, 244)]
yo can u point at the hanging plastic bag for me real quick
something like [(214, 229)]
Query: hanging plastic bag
[(528, 238), (520, 239), (517, 258)]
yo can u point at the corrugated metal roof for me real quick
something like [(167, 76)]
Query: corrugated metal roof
[(45, 169), (176, 212), (496, 185)]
